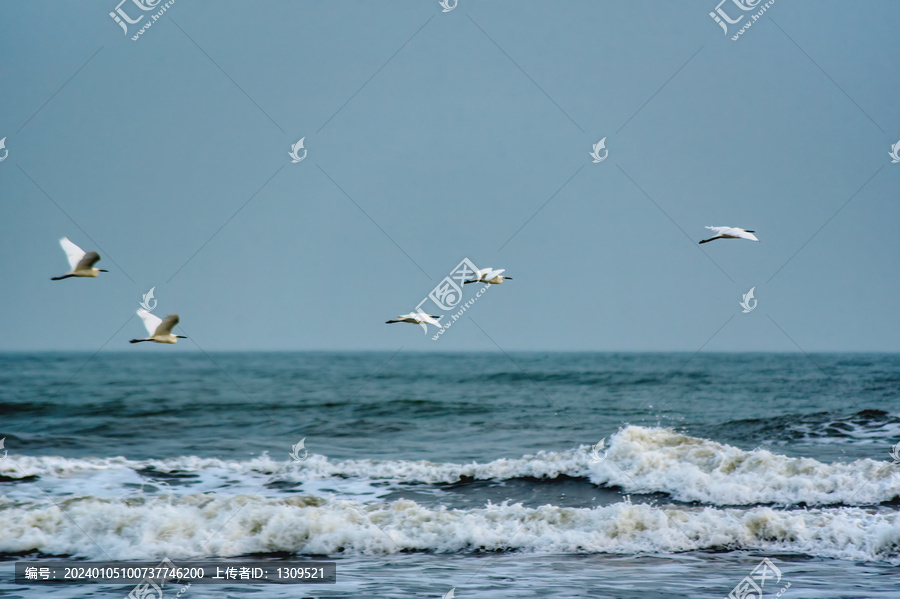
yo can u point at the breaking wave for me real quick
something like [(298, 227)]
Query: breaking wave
[(202, 525), (639, 460)]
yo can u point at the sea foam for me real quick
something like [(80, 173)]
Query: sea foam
[(204, 525), (639, 460)]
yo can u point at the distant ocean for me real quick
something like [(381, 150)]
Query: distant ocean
[(479, 472)]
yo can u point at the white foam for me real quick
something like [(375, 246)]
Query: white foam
[(203, 525), (640, 460), (691, 469), (542, 465)]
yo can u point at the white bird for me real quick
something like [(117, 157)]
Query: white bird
[(489, 276), (416, 318), (730, 233), (160, 329), (82, 263)]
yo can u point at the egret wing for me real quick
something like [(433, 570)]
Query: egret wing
[(744, 234), (719, 229), (88, 261), (150, 321), (167, 324), (73, 252)]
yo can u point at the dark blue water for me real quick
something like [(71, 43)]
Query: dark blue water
[(475, 471)]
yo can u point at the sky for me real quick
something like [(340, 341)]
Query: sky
[(430, 137)]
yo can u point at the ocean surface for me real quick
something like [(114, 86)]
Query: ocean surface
[(484, 473)]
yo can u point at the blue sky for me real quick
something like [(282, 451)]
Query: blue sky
[(433, 137)]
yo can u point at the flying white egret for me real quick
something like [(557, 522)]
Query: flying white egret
[(730, 233), (82, 263), (160, 329), (489, 276), (416, 318)]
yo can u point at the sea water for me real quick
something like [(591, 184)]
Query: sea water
[(520, 475)]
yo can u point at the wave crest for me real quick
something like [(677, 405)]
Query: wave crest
[(640, 460), (203, 525)]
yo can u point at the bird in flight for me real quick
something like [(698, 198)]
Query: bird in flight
[(489, 276), (730, 233), (81, 263), (160, 329), (416, 318)]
